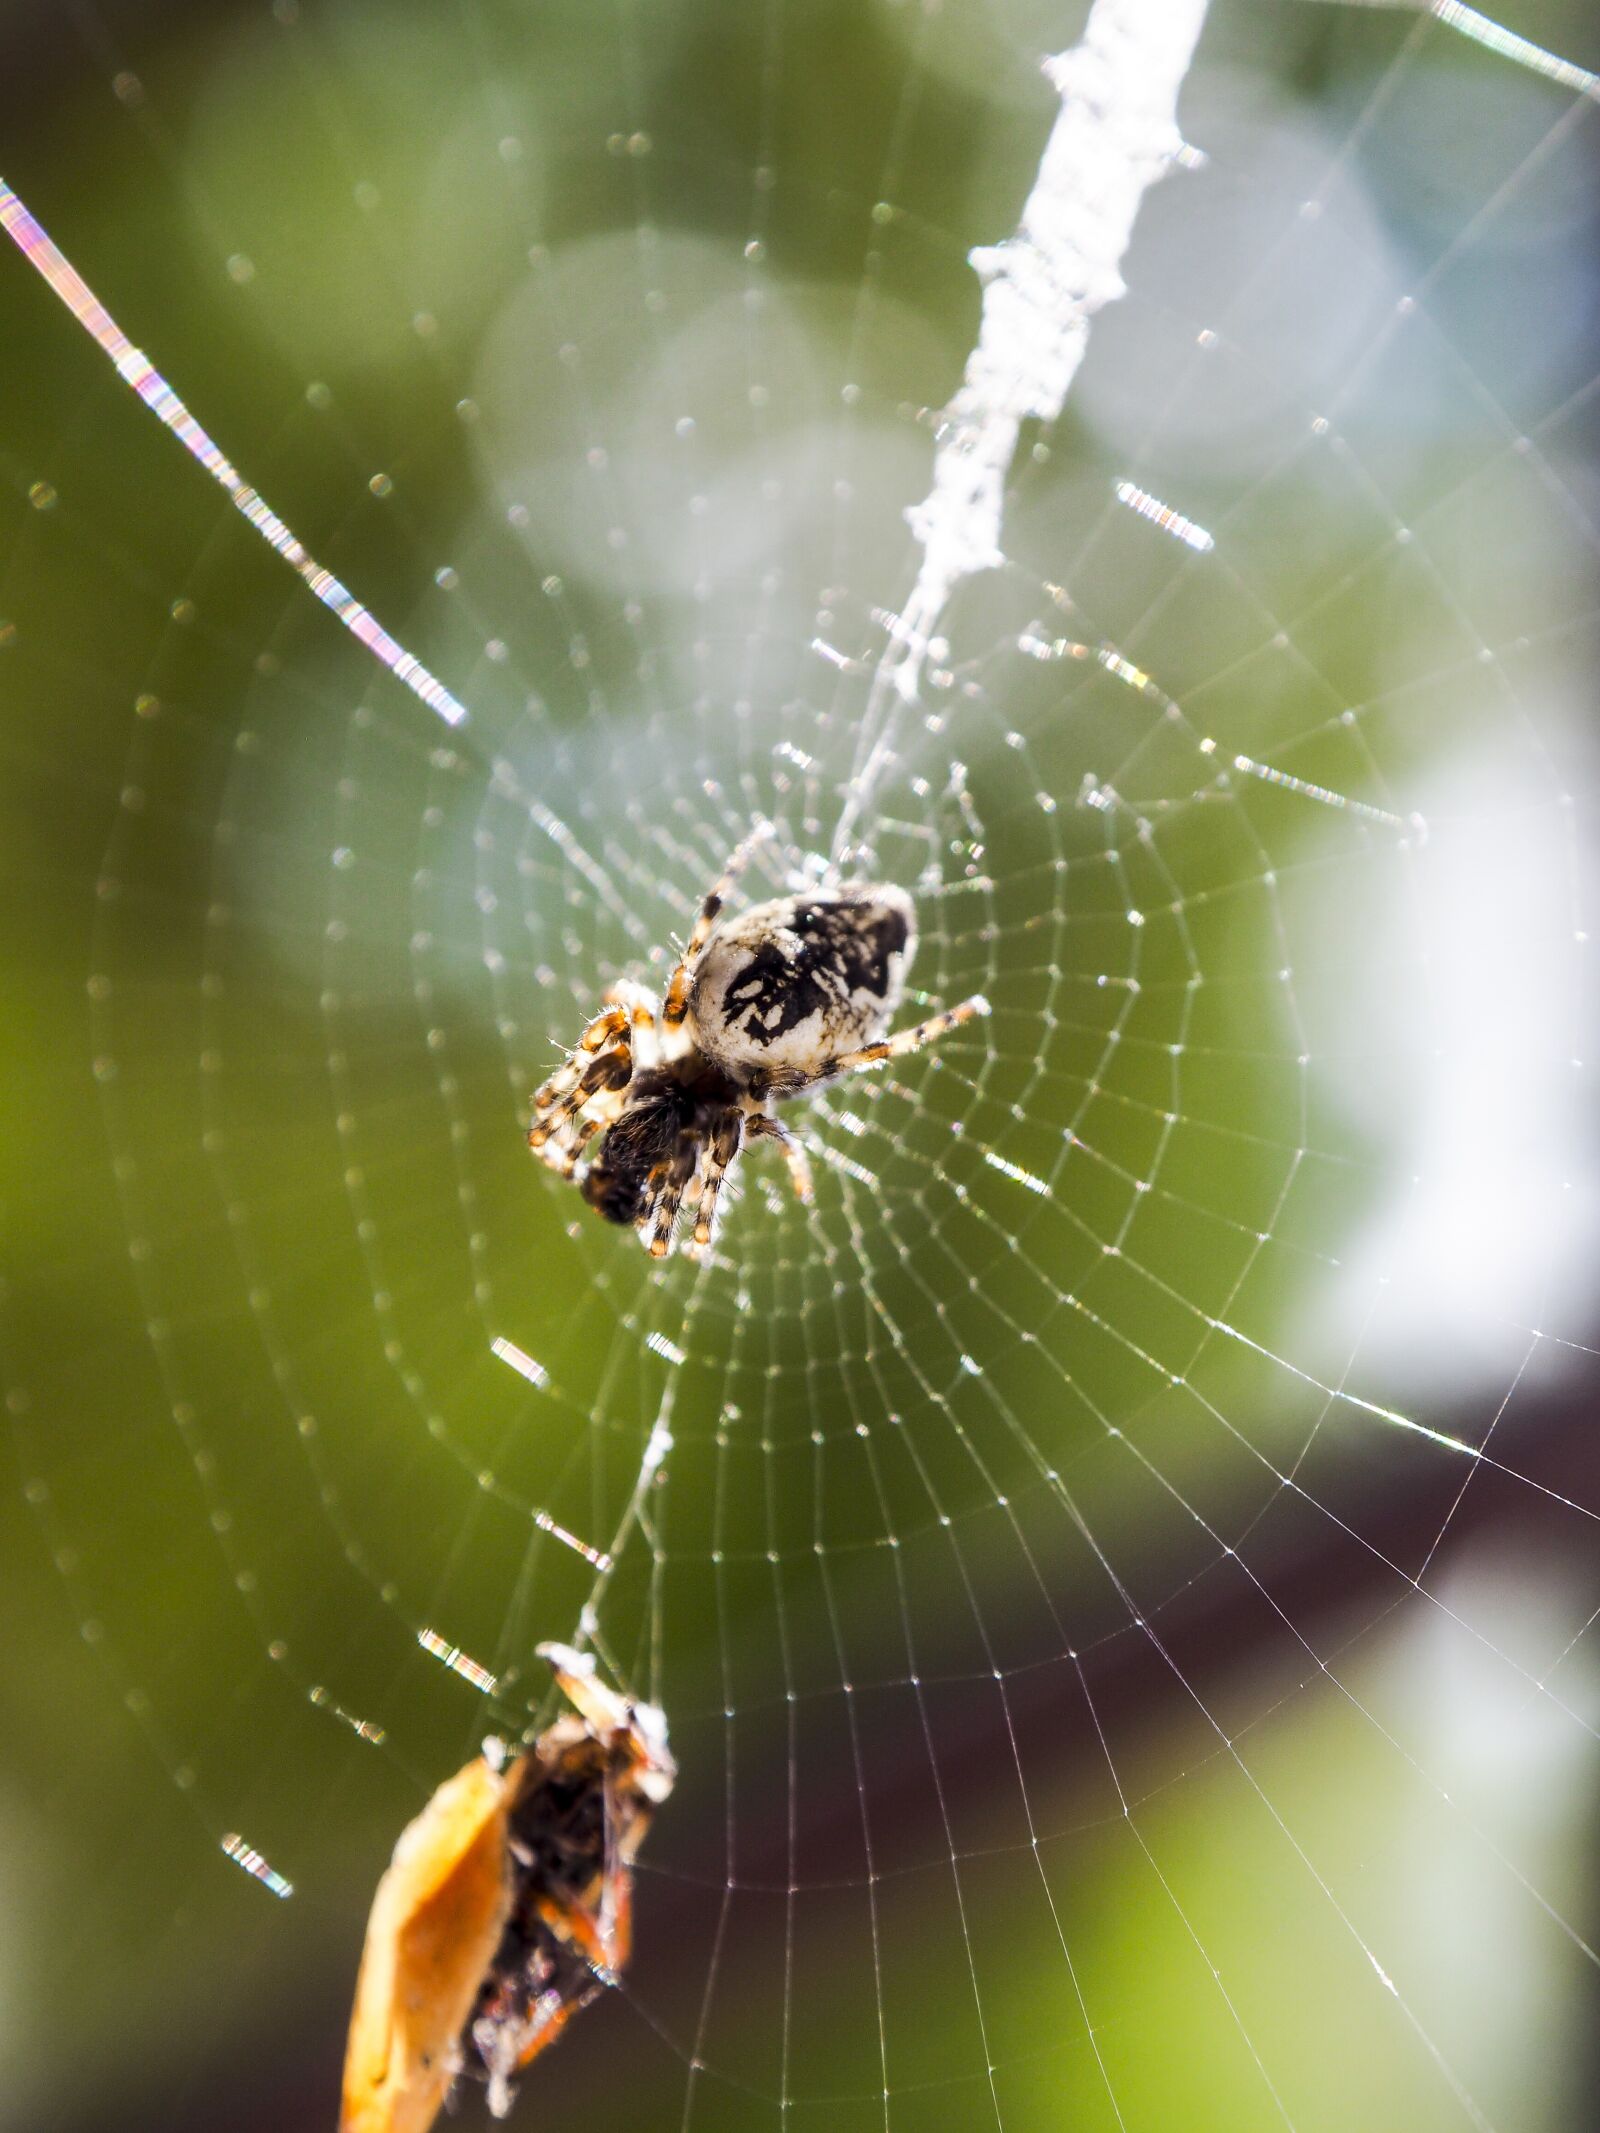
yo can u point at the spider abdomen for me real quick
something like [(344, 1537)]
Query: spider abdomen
[(788, 986)]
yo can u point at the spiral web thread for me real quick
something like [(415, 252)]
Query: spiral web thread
[(930, 1517)]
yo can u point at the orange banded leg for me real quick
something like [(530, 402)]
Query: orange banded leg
[(675, 1001), (763, 1125), (660, 1217), (567, 1143), (724, 1146), (640, 1009), (603, 1032), (606, 1026), (606, 1069), (909, 1040), (606, 1075)]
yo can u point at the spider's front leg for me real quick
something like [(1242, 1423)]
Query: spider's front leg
[(562, 1150), (675, 1000), (601, 1059), (640, 1009), (907, 1040), (598, 1036)]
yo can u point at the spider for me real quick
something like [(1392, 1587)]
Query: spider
[(786, 997), (506, 1909)]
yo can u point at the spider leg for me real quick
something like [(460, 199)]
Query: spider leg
[(603, 1030), (607, 1074), (567, 1143), (641, 1012), (675, 1000), (598, 1036), (605, 1064), (720, 1152), (908, 1040), (660, 1217), (764, 1125)]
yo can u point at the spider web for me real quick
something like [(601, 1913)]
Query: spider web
[(1119, 1570)]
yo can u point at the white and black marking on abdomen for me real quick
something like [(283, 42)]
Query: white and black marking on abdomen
[(789, 984)]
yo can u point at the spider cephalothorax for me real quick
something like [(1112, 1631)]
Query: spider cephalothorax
[(787, 996)]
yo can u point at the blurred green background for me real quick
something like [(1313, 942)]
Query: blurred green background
[(1120, 1584)]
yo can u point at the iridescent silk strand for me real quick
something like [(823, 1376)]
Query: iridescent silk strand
[(136, 370)]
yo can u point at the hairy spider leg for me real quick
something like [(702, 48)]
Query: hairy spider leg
[(562, 1150), (611, 1071), (640, 1008), (764, 1125), (610, 1066), (908, 1040), (607, 1026), (675, 1000), (660, 1217), (723, 1147)]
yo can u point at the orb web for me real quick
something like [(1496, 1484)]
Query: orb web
[(1119, 1568)]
